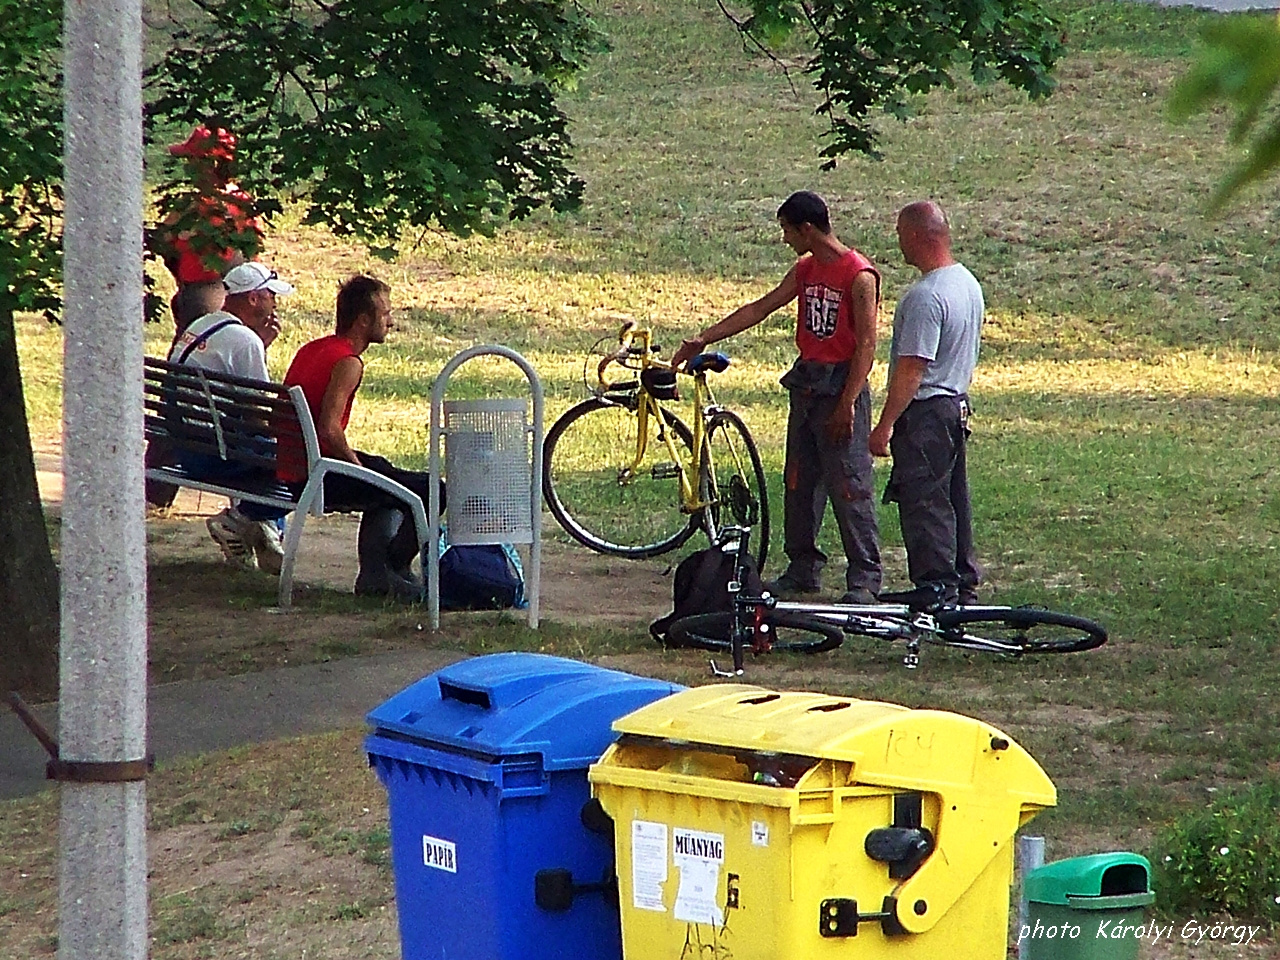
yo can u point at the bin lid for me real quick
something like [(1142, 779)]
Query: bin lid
[(1110, 877), (889, 745), (517, 703)]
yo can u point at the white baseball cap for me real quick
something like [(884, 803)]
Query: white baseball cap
[(252, 276)]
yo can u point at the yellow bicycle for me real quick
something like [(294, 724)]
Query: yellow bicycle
[(623, 475)]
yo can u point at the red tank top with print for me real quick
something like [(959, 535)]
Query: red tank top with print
[(824, 331), (311, 369)]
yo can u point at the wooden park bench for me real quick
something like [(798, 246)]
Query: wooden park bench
[(257, 425)]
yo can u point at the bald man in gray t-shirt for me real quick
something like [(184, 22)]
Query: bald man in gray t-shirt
[(940, 320), (924, 423)]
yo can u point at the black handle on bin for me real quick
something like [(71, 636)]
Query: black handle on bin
[(904, 849), (554, 889)]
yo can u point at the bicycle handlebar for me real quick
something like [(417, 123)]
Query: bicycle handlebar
[(626, 351)]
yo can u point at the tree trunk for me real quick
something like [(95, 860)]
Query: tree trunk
[(28, 577)]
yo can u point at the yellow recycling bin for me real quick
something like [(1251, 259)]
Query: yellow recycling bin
[(756, 825)]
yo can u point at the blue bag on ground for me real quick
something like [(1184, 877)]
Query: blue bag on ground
[(481, 577)]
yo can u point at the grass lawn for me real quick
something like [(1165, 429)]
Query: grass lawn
[(1128, 398)]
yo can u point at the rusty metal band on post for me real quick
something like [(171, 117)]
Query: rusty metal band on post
[(79, 771), (99, 771)]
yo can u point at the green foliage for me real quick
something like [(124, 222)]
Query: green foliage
[(1224, 859), (1240, 64), (386, 113), (30, 154), (869, 56)]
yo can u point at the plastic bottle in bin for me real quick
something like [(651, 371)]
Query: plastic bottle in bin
[(778, 769)]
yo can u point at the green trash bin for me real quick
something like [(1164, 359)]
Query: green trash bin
[(1086, 908)]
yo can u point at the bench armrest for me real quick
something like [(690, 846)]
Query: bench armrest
[(326, 465)]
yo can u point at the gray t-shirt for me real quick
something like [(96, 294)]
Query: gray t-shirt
[(940, 319)]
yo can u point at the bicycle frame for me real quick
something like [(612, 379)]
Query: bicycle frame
[(887, 620), (635, 341)]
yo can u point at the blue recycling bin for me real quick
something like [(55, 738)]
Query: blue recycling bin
[(497, 852)]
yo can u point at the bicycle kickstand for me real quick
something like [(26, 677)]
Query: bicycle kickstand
[(729, 674)]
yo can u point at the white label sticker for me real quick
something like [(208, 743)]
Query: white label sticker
[(648, 864), (695, 843), (439, 854), (759, 834), (698, 856)]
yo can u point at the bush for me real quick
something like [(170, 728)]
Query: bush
[(1225, 858)]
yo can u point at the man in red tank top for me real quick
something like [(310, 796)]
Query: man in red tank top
[(329, 371), (828, 457)]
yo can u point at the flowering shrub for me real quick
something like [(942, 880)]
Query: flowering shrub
[(1225, 858), (207, 223)]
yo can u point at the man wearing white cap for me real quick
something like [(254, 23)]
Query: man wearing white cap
[(234, 340)]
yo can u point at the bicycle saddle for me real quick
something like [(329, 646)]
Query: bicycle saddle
[(715, 362)]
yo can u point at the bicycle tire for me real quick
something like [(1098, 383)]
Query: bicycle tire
[(729, 452), (795, 633), (637, 517), (1011, 627)]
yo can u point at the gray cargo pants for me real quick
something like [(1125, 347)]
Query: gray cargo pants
[(930, 484), (818, 470)]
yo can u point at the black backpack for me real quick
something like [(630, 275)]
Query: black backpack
[(702, 585)]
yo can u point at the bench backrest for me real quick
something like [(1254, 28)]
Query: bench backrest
[(234, 419)]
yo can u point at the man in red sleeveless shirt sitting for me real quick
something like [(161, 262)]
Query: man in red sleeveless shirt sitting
[(828, 456), (329, 371)]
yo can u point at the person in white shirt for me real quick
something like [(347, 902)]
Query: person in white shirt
[(234, 340)]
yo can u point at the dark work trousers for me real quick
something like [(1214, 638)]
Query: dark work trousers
[(931, 486), (388, 539), (818, 470), (216, 470)]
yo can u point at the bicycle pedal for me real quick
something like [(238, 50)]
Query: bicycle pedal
[(911, 661), (665, 471)]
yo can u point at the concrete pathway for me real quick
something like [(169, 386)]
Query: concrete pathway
[(200, 716)]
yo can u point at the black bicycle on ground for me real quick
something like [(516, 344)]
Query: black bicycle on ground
[(763, 623)]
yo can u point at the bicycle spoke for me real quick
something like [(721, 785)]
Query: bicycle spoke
[(786, 633), (606, 492), (1018, 630), (732, 480)]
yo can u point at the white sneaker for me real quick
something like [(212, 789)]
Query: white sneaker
[(227, 531), (267, 546)]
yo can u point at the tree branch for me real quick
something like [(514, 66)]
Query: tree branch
[(748, 36), (829, 102), (267, 40)]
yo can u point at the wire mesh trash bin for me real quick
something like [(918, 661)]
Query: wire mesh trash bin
[(1086, 908), (486, 459), (763, 825), (485, 765), (493, 470)]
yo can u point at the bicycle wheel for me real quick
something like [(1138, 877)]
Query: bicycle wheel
[(596, 496), (1018, 630), (792, 632), (733, 481)]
